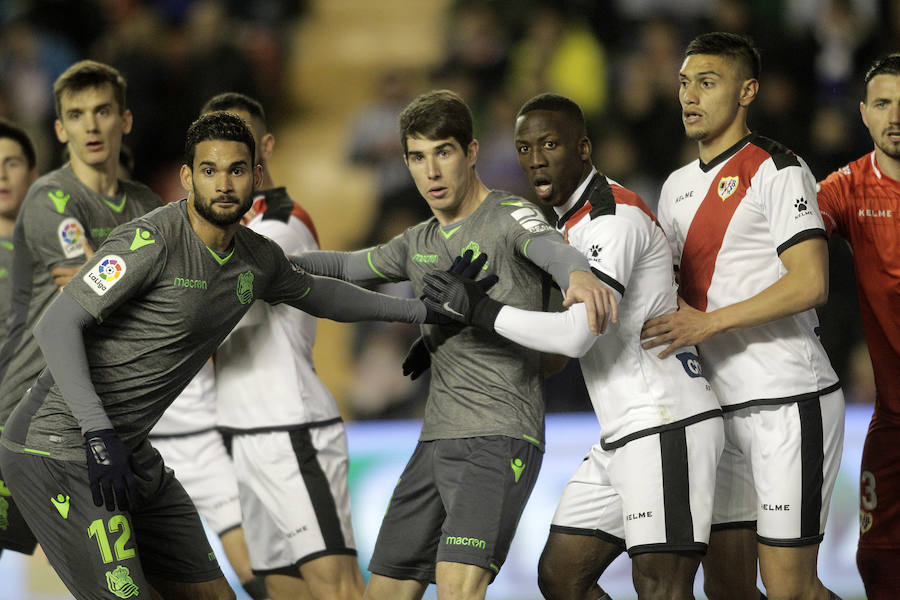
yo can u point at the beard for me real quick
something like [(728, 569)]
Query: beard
[(220, 217), (891, 149)]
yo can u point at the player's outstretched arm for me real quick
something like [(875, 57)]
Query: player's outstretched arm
[(804, 286), (338, 300), (348, 266), (456, 294), (571, 271)]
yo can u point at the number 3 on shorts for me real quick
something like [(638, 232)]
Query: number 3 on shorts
[(116, 523)]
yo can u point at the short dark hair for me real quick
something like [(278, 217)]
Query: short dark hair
[(234, 100), (739, 48), (217, 126), (88, 74), (18, 135), (437, 115), (556, 103), (889, 65)]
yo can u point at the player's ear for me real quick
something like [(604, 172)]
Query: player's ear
[(257, 177), (472, 152), (61, 134), (267, 145), (187, 178), (585, 149), (862, 113), (127, 121), (748, 92)]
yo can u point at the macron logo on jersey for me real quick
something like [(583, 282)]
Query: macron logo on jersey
[(70, 233), (107, 273)]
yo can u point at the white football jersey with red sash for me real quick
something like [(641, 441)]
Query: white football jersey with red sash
[(728, 222)]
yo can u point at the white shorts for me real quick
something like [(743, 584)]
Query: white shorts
[(778, 469), (203, 467), (294, 496), (654, 494)]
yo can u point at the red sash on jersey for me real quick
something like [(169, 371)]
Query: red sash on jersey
[(710, 222)]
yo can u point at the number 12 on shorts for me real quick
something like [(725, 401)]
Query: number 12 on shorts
[(116, 523)]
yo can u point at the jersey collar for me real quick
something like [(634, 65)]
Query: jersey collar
[(565, 211), (707, 167)]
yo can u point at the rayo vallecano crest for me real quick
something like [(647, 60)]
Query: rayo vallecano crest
[(727, 186)]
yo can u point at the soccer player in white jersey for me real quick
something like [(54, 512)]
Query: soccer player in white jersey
[(647, 485), (290, 452), (749, 244)]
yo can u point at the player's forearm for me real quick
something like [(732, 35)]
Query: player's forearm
[(349, 266), (565, 333), (341, 301), (60, 333), (557, 258), (803, 287)]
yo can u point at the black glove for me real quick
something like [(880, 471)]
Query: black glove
[(112, 469), (465, 267), (418, 359), (455, 294)]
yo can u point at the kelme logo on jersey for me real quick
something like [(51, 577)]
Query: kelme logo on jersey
[(59, 199), (727, 186), (70, 234), (108, 272), (691, 363), (245, 287), (531, 220), (802, 207), (120, 583)]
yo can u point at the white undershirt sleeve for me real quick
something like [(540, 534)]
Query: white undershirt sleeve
[(565, 333)]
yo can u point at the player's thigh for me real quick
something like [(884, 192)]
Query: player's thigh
[(575, 560), (795, 456), (411, 529), (484, 483), (668, 573), (172, 541), (666, 482), (202, 465), (94, 551), (459, 580), (788, 571), (333, 572)]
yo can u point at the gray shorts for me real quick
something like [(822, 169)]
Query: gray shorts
[(458, 500), (107, 555)]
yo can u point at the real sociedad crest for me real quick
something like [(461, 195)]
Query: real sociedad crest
[(727, 186)]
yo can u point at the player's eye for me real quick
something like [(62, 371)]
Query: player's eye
[(523, 149), (237, 171), (549, 144), (207, 171)]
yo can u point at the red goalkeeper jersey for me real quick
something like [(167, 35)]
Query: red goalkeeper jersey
[(862, 204)]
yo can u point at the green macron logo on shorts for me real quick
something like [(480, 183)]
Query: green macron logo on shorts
[(120, 583), (517, 465), (452, 540)]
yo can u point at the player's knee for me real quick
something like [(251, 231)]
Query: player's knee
[(789, 585), (655, 583), (558, 583)]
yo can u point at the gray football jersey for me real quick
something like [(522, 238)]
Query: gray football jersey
[(481, 383), (6, 258), (163, 302), (58, 213)]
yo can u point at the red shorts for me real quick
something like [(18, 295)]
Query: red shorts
[(878, 556), (879, 492)]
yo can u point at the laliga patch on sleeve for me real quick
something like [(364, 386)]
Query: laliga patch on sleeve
[(71, 233), (105, 274), (531, 220)]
